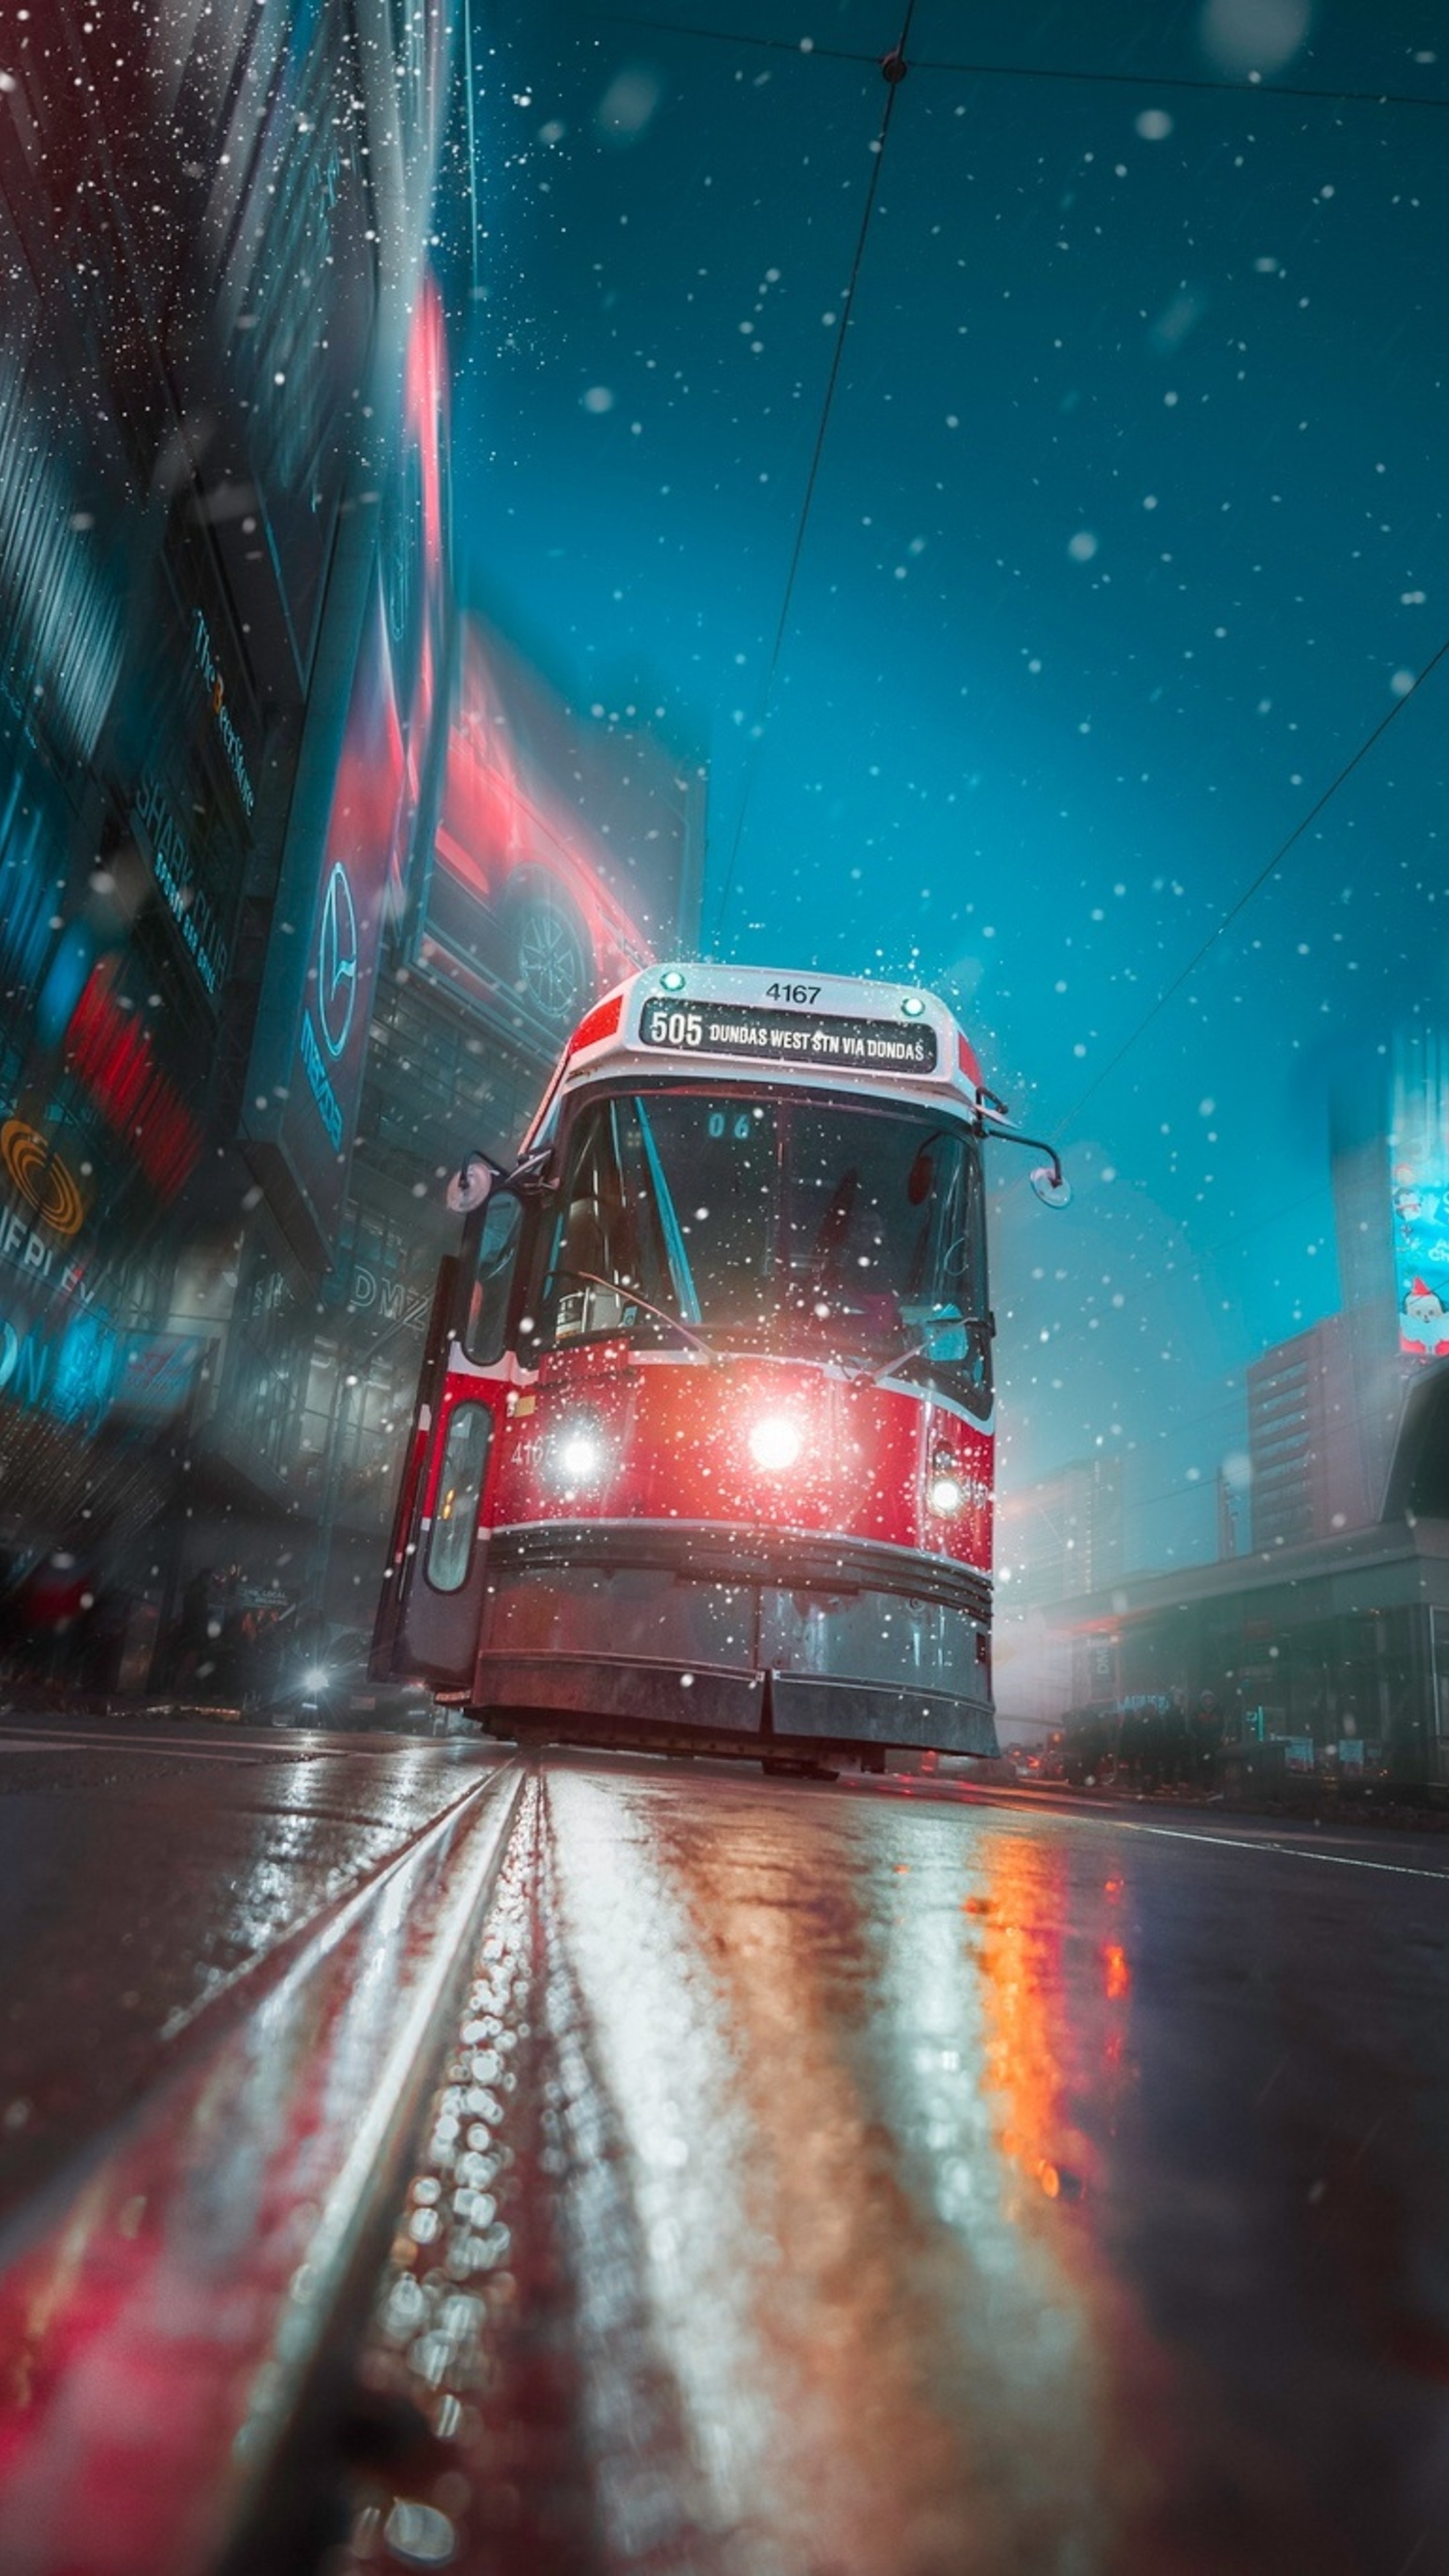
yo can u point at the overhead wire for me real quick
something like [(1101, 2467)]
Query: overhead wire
[(893, 79), (1254, 887), (730, 36), (807, 49), (1248, 88)]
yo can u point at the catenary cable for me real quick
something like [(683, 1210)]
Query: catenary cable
[(1254, 887), (807, 49), (1139, 80), (893, 68)]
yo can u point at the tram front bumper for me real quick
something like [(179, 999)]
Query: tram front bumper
[(701, 1644), (625, 1703)]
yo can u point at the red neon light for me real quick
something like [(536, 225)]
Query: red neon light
[(116, 1062), (426, 409), (599, 1023)]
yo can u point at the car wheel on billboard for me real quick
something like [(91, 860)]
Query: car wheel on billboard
[(548, 952)]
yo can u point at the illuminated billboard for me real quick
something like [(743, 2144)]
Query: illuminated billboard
[(1419, 1156), (311, 1034), (563, 857), (188, 742), (62, 1352), (90, 1095), (310, 1045)]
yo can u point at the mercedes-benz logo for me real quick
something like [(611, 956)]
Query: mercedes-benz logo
[(337, 962)]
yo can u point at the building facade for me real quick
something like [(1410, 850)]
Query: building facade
[(1063, 1535), (229, 657), (1340, 1638), (1309, 1474), (211, 231)]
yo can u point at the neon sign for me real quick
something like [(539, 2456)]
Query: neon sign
[(29, 1251), (319, 1083), (1419, 1145), (310, 1042), (175, 876), (337, 962), (231, 741), (116, 1062), (40, 1178)]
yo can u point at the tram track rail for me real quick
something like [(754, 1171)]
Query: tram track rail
[(175, 2305)]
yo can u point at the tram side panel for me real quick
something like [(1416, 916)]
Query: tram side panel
[(431, 1605)]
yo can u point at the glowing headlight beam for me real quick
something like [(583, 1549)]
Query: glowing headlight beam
[(580, 1457), (775, 1442)]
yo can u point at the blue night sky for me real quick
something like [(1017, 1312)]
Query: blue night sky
[(1127, 532)]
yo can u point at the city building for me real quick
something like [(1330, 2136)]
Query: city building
[(211, 231), (1324, 1407), (297, 871), (1309, 1475), (1062, 1535), (1343, 1636), (1337, 1605), (1057, 1540)]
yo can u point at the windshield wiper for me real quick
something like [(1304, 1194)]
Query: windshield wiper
[(631, 1296)]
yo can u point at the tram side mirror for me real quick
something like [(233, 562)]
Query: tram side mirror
[(943, 1335), (1048, 1179), (473, 1185), (1051, 1185)]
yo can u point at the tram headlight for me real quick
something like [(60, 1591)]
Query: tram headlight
[(775, 1442), (578, 1456), (946, 1494)]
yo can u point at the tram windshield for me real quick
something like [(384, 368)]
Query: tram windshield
[(786, 1224)]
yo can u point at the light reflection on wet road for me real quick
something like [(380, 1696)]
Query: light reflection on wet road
[(146, 1870), (893, 2182), (877, 2180)]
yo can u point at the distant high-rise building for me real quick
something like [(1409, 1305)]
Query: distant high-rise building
[(1305, 1442), (1063, 1535)]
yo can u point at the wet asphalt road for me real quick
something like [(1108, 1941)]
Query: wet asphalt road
[(145, 1869), (834, 2181)]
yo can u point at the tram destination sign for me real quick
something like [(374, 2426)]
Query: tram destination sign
[(791, 1037)]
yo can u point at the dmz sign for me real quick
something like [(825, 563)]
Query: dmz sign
[(392, 1299)]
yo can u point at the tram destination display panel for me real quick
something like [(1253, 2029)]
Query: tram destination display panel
[(813, 1037)]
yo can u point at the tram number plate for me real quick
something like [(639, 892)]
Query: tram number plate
[(794, 1037)]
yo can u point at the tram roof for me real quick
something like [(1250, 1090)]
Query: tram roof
[(830, 1032)]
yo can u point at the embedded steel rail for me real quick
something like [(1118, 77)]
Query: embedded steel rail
[(168, 2307)]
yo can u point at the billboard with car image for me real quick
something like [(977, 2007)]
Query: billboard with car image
[(565, 852)]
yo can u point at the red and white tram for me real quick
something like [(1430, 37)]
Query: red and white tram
[(702, 1457)]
